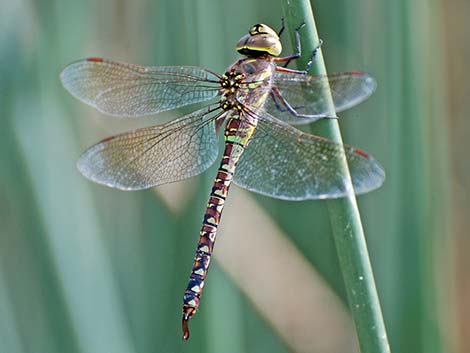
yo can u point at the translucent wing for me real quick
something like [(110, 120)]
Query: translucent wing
[(285, 163), (299, 99), (122, 89), (155, 155)]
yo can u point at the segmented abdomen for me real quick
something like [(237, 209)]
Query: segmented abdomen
[(237, 135)]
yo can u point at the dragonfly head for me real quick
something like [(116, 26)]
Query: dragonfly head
[(260, 40)]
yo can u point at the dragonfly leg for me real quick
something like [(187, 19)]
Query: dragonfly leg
[(314, 54), (275, 99), (287, 59), (283, 27), (291, 71), (283, 105)]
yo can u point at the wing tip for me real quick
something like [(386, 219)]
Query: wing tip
[(66, 77), (368, 79), (377, 174), (372, 83), (67, 70)]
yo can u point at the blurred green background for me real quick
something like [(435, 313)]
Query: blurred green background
[(84, 268)]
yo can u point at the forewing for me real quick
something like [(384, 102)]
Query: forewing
[(285, 163), (305, 95), (122, 89), (155, 155)]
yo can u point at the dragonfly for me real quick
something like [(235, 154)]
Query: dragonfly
[(257, 102)]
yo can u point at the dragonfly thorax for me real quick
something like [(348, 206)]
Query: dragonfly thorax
[(230, 83), (246, 84)]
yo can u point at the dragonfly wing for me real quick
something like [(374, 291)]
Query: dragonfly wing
[(283, 162), (155, 155), (122, 89), (300, 99)]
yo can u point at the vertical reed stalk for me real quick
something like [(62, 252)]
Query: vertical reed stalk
[(344, 213)]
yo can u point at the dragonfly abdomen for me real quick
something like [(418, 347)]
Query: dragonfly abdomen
[(237, 136), (206, 242)]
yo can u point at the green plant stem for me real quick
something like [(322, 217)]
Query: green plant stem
[(344, 213)]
